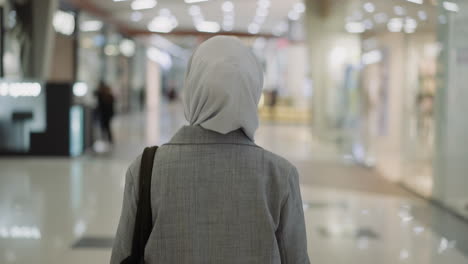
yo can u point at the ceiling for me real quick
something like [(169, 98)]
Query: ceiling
[(425, 14), (244, 13)]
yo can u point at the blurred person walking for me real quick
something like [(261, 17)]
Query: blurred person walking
[(211, 195), (105, 110)]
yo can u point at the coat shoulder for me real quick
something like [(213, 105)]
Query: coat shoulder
[(278, 161)]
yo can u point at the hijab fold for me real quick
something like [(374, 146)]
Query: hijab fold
[(223, 85)]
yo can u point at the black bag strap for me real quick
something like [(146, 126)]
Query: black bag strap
[(144, 219)]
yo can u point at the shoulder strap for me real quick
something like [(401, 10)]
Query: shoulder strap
[(144, 219)]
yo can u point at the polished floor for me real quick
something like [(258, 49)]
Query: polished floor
[(66, 210)]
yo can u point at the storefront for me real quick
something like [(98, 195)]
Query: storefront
[(49, 109), (413, 99), (26, 46)]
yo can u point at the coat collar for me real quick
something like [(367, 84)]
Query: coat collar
[(198, 135)]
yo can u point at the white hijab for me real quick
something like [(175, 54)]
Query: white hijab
[(223, 86)]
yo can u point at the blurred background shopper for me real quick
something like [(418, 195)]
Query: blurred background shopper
[(105, 110), (216, 196)]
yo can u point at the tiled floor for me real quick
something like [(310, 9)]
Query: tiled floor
[(66, 210)]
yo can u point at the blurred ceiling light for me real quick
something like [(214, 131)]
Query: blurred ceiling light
[(164, 12), (451, 6), (262, 12), (91, 25), (160, 57), (422, 15), (127, 47), (259, 19), (163, 24), (368, 24), (381, 18), (228, 13), (111, 50), (143, 4), (372, 57), (194, 1), (254, 28), (228, 27), (164, 44), (369, 7), (395, 25), (293, 15), (411, 22), (410, 25), (194, 10), (280, 28), (399, 11), (80, 89), (228, 6), (409, 30), (416, 1), (64, 22), (136, 16), (208, 26), (357, 15), (300, 7), (120, 0), (355, 27), (264, 3), (198, 19)]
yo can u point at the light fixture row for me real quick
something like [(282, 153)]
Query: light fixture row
[(396, 24), (228, 16), (165, 22)]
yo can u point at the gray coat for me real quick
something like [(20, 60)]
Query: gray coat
[(217, 199)]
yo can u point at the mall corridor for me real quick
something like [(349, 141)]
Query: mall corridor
[(56, 209), (366, 98)]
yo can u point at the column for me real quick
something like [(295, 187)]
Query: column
[(42, 38)]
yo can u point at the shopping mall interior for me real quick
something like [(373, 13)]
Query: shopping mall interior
[(365, 97)]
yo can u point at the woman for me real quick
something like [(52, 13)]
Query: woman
[(216, 196)]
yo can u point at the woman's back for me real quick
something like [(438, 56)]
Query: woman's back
[(222, 199)]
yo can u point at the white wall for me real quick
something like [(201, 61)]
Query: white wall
[(297, 64)]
